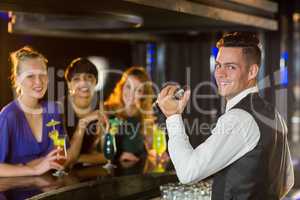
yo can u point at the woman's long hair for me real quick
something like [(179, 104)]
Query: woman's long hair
[(115, 105)]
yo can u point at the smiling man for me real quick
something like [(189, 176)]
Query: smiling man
[(247, 152)]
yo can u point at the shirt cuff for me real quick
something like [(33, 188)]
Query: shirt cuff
[(175, 125)]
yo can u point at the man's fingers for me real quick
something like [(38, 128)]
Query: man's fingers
[(165, 91), (183, 102), (172, 91), (186, 95)]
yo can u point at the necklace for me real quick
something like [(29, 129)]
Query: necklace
[(30, 110)]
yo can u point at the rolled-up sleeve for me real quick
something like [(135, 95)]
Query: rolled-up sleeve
[(235, 134)]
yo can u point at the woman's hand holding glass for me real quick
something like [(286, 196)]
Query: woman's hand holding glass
[(44, 164), (61, 154)]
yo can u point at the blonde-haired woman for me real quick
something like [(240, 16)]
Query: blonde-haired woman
[(25, 148), (131, 101)]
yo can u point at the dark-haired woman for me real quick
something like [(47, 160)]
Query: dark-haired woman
[(82, 112)]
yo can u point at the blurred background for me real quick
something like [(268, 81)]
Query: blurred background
[(173, 39)]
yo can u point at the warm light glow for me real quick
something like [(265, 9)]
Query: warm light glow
[(102, 67), (12, 21), (296, 17)]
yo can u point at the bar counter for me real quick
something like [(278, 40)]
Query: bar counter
[(127, 181)]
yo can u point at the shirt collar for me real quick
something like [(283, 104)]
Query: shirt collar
[(232, 102)]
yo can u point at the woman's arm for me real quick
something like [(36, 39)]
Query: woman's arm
[(75, 144), (9, 170), (94, 156), (77, 139), (33, 168), (17, 182), (37, 167)]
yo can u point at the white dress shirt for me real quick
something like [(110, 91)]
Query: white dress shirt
[(235, 134)]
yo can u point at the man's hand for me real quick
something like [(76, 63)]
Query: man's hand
[(170, 106)]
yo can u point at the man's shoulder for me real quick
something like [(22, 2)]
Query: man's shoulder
[(254, 104)]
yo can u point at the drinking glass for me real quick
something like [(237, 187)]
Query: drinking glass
[(160, 146), (159, 141), (109, 150), (60, 143)]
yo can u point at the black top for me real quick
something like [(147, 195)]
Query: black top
[(129, 137), (71, 121)]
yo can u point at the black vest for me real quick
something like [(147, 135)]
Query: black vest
[(260, 173)]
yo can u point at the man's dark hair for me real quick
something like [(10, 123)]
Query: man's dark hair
[(80, 65), (248, 41)]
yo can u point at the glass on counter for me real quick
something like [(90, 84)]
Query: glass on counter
[(109, 149), (159, 141), (176, 191), (159, 144), (109, 141), (59, 142)]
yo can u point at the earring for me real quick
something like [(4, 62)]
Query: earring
[(71, 91)]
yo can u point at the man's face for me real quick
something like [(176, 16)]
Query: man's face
[(231, 72)]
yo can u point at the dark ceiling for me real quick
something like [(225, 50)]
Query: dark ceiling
[(158, 16)]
